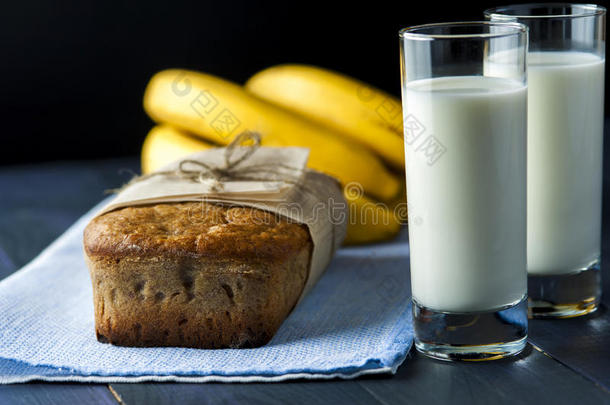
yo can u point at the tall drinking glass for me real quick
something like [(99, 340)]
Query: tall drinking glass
[(464, 98), (565, 147)]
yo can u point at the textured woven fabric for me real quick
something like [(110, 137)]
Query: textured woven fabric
[(355, 321)]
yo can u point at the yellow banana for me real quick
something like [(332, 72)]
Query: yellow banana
[(367, 115), (369, 221), (164, 145), (217, 110)]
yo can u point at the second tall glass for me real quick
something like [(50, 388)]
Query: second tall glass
[(565, 147), (465, 104)]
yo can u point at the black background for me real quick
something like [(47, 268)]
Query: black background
[(72, 74)]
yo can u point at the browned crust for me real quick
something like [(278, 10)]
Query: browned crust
[(163, 276), (197, 229)]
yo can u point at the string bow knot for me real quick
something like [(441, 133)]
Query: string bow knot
[(238, 151)]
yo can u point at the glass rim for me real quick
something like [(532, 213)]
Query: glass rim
[(591, 10), (411, 32)]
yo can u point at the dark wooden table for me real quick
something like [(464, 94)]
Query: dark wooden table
[(567, 361)]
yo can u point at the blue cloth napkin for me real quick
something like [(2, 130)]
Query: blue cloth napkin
[(356, 320)]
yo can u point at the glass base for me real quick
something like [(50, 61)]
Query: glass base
[(472, 336), (565, 295)]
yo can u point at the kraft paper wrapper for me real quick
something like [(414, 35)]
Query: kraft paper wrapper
[(316, 200)]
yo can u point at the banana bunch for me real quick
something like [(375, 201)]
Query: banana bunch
[(357, 111), (197, 111)]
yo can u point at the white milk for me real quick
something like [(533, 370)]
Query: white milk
[(467, 219), (565, 132)]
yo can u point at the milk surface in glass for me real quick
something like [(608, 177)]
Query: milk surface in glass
[(467, 209), (565, 146)]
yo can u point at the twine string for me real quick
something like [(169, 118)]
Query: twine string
[(247, 143)]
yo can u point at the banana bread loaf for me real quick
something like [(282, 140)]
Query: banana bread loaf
[(194, 274)]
